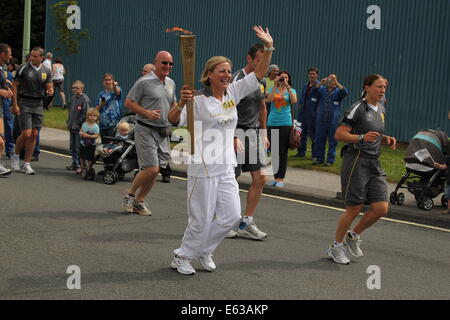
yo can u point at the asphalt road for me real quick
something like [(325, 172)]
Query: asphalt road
[(54, 220)]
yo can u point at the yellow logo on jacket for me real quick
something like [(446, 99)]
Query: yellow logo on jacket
[(229, 104), (382, 117), (44, 76)]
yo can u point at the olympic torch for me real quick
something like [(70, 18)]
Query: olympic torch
[(187, 48)]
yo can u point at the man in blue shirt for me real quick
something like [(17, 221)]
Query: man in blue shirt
[(5, 94)]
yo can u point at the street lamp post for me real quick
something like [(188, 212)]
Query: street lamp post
[(26, 30)]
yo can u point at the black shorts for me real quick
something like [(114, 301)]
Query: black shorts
[(58, 84), (362, 180), (87, 152), (31, 114), (254, 158)]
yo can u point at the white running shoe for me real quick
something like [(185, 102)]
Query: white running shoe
[(15, 164), (26, 168), (232, 234), (251, 231), (3, 171), (353, 244), (337, 253), (141, 208), (127, 202), (182, 265), (207, 262)]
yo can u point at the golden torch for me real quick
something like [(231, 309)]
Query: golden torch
[(187, 48)]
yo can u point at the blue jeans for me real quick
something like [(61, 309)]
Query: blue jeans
[(75, 147), (8, 122)]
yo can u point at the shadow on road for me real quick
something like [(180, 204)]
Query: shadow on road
[(71, 214), (131, 236), (33, 285), (320, 264)]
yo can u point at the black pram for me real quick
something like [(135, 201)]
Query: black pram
[(122, 158), (423, 180)]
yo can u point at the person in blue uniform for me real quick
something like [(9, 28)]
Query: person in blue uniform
[(330, 95), (307, 115)]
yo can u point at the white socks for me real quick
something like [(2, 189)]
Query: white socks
[(247, 220)]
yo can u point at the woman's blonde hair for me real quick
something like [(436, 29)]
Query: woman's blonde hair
[(92, 111), (210, 65)]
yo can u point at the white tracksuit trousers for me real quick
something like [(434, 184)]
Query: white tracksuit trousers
[(214, 208)]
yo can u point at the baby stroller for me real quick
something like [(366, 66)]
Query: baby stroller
[(122, 157), (423, 180)]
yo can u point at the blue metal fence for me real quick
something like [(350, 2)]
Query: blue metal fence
[(410, 49)]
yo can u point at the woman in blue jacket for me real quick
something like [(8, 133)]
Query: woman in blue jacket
[(330, 95)]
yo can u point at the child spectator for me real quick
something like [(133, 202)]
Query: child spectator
[(79, 104), (89, 132), (123, 130)]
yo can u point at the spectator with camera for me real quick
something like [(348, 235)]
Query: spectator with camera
[(109, 104), (330, 95), (283, 98)]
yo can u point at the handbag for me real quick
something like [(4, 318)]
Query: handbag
[(294, 139)]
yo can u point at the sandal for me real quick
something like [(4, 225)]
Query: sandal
[(445, 211)]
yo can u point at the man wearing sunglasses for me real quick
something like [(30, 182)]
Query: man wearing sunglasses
[(150, 99), (165, 172)]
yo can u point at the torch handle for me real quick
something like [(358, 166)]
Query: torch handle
[(187, 46)]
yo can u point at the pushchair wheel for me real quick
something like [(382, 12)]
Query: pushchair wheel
[(84, 174), (121, 175), (110, 177), (425, 204), (444, 201), (91, 174), (400, 198), (393, 197)]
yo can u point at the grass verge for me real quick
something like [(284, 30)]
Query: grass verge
[(392, 160)]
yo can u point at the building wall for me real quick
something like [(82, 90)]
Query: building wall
[(410, 49)]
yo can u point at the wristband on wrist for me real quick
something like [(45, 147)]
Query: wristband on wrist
[(361, 138), (271, 49)]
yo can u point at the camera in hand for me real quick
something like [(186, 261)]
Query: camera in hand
[(282, 79)]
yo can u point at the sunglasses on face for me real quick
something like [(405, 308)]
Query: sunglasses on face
[(167, 63)]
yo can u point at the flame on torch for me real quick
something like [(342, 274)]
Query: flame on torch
[(178, 29)]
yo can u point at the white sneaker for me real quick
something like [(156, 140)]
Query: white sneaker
[(15, 164), (251, 231), (207, 262), (337, 253), (141, 208), (3, 171), (182, 265), (232, 234), (127, 202), (26, 168), (353, 244)]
